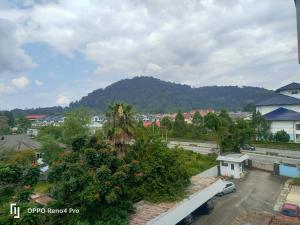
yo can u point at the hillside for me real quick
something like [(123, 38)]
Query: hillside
[(149, 94)]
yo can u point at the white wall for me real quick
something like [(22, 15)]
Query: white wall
[(227, 171), (289, 93), (287, 126), (212, 172), (266, 109)]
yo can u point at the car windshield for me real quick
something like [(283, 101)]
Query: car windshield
[(289, 212)]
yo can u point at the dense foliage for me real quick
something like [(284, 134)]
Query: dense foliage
[(148, 94)]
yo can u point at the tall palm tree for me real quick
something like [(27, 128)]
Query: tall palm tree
[(120, 125)]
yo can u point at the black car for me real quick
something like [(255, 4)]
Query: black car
[(248, 147), (204, 209)]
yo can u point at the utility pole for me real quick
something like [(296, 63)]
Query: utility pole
[(297, 3)]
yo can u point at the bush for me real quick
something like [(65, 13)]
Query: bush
[(281, 136)]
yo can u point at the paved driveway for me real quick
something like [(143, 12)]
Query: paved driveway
[(258, 191)]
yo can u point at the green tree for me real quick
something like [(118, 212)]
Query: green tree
[(211, 121), (197, 119), (23, 124), (75, 125), (166, 122), (179, 125), (281, 136), (4, 128), (50, 149), (261, 126), (120, 125)]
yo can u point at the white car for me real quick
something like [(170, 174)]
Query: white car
[(229, 188)]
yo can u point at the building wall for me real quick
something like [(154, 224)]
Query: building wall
[(288, 126), (266, 109), (290, 93), (228, 172)]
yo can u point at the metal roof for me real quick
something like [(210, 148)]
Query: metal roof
[(282, 114), (280, 100), (291, 86)]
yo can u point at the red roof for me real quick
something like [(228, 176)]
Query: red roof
[(35, 117), (149, 123)]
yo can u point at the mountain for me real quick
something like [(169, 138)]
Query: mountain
[(148, 94)]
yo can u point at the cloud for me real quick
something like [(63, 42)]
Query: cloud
[(197, 42), (13, 59), (20, 82), (38, 83), (62, 100)]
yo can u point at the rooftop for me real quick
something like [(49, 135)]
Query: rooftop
[(234, 157), (280, 100), (291, 86), (146, 211), (18, 142), (282, 114)]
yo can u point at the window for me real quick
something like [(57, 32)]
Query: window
[(232, 166), (294, 92), (297, 126), (224, 164), (298, 137), (228, 185)]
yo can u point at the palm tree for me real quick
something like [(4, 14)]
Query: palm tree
[(120, 125)]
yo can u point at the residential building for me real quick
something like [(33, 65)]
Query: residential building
[(283, 111)]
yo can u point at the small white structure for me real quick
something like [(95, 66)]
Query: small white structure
[(233, 165), (32, 132)]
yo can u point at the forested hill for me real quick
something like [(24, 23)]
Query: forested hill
[(149, 94)]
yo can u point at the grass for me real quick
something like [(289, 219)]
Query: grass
[(197, 163), (42, 187), (296, 181), (278, 145)]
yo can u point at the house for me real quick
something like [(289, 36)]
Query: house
[(32, 132), (283, 111), (233, 165)]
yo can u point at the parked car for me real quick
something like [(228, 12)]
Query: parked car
[(229, 188), (204, 209), (290, 212), (248, 147)]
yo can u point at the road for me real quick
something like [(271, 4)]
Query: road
[(263, 155), (258, 191), (18, 143)]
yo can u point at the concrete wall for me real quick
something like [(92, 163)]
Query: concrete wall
[(263, 166), (212, 172), (266, 109)]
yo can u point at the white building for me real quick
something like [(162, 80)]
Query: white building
[(233, 165), (32, 132), (283, 111)]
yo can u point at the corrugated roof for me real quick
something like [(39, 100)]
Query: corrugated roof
[(282, 114), (280, 100), (291, 86)]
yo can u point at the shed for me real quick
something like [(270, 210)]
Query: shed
[(233, 165)]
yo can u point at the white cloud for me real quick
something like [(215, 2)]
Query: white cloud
[(62, 100), (38, 83), (20, 82), (199, 42)]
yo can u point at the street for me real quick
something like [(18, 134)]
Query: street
[(262, 155), (258, 191)]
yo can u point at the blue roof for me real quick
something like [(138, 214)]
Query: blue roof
[(280, 99), (282, 114), (291, 86)]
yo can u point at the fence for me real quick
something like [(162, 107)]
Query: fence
[(263, 166)]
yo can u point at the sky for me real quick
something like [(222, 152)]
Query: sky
[(53, 52)]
